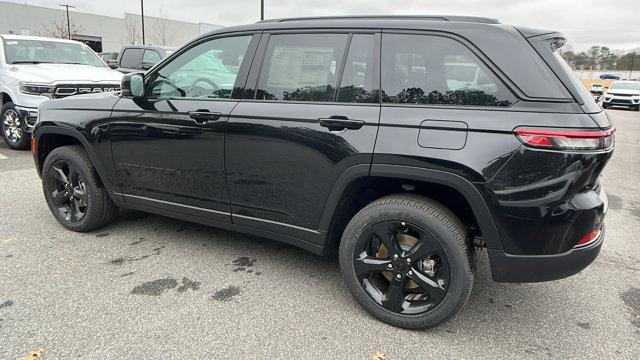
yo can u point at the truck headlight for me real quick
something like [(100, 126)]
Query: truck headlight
[(37, 89)]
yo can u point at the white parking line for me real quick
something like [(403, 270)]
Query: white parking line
[(2, 157)]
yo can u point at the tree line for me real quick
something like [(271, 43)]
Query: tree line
[(602, 58)]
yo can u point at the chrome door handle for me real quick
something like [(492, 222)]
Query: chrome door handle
[(338, 123), (202, 117)]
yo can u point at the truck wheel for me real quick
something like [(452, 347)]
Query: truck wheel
[(605, 106), (13, 128), (407, 261), (73, 190)]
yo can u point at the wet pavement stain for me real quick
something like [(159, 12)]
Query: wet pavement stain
[(141, 240), (635, 212), (242, 263), (257, 273), (631, 298), (188, 284), (6, 304), (585, 326), (121, 260), (102, 235), (227, 293), (155, 288), (615, 201), (127, 274)]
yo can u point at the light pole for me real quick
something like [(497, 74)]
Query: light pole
[(68, 22), (633, 60), (261, 9), (142, 12)]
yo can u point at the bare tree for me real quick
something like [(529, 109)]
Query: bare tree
[(58, 28), (132, 34), (162, 35)]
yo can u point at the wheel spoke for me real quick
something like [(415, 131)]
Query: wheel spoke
[(80, 194), (74, 210), (434, 287), (60, 176), (421, 250), (394, 299), (387, 235), (58, 197), (73, 175), (367, 264)]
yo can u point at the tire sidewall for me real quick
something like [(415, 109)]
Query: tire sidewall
[(26, 137), (89, 219), (459, 281)]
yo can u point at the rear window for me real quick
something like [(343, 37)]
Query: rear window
[(131, 58)]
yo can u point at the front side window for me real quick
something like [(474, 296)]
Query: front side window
[(426, 69), (43, 51), (301, 67), (131, 58), (207, 70)]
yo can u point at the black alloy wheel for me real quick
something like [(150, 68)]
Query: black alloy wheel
[(402, 267), (67, 190), (407, 260)]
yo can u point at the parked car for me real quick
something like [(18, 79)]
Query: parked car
[(610, 76), (596, 89), (107, 56), (34, 69), (139, 57), (348, 133), (623, 93)]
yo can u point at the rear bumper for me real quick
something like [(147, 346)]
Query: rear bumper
[(536, 268)]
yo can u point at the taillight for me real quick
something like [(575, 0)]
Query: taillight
[(589, 238), (566, 139)]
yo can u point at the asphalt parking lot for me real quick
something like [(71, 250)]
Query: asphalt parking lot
[(153, 287)]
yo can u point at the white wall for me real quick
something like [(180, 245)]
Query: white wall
[(30, 20)]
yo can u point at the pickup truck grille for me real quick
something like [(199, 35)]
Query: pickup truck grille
[(65, 90)]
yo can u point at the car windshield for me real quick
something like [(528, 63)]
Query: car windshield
[(43, 51), (625, 86)]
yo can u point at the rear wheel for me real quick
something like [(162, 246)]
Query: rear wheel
[(73, 191), (14, 128), (406, 260)]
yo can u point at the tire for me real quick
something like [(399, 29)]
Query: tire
[(605, 106), (436, 225), (635, 108), (14, 129), (71, 165)]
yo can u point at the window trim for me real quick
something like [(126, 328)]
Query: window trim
[(497, 73), (241, 77), (251, 86)]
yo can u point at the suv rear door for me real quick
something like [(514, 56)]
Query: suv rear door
[(297, 130)]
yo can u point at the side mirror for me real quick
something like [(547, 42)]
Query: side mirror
[(133, 85), (112, 64), (146, 65)]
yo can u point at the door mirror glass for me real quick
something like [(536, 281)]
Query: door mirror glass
[(133, 85), (112, 64)]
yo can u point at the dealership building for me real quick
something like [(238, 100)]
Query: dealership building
[(101, 33)]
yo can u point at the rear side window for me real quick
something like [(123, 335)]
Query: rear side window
[(131, 58), (359, 81), (151, 56), (301, 67), (427, 69)]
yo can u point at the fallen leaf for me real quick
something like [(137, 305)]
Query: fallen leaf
[(379, 355)]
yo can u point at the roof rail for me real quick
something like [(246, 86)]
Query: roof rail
[(474, 19)]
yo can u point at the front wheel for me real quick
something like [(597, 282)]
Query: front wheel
[(14, 128), (73, 190), (407, 261)]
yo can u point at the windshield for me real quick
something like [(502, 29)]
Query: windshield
[(42, 51), (625, 86)]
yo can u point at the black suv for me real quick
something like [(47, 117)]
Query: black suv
[(408, 143)]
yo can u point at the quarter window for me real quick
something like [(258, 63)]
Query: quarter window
[(207, 70), (301, 67), (423, 69), (359, 80)]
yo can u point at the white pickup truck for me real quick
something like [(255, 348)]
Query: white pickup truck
[(34, 69)]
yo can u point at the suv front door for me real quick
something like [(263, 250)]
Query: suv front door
[(296, 131), (168, 147)]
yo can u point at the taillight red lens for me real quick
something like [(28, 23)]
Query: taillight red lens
[(566, 139), (589, 238)]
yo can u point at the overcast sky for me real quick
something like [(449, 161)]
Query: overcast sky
[(614, 23)]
